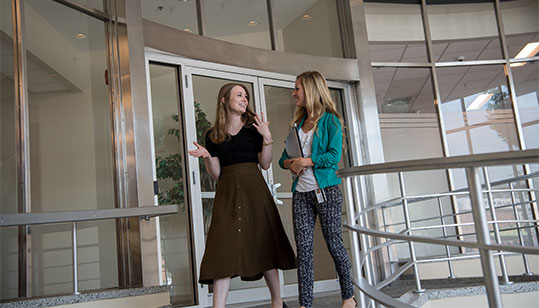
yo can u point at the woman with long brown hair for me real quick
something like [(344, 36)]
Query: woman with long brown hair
[(315, 188), (246, 237)]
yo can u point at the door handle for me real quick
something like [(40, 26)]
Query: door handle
[(274, 193)]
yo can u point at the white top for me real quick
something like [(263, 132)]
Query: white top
[(306, 181)]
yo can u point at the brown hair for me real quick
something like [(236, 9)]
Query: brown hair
[(218, 132)]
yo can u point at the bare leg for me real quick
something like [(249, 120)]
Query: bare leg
[(349, 303), (220, 291), (272, 280)]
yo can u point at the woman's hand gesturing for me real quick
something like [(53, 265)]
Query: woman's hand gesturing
[(199, 152), (262, 127)]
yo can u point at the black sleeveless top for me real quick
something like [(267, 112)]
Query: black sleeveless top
[(240, 148)]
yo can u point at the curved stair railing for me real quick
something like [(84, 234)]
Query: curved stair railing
[(361, 235)]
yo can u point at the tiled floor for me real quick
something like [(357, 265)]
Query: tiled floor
[(321, 300)]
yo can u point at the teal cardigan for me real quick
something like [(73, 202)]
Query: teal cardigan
[(326, 151)]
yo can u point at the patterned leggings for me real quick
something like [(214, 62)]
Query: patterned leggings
[(305, 208)]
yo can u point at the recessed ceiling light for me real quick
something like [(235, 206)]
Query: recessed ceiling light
[(306, 17), (188, 30), (80, 36), (253, 23), (527, 51)]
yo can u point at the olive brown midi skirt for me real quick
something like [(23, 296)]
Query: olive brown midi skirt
[(246, 235)]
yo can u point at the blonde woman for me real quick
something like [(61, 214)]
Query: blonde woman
[(246, 237), (315, 189)]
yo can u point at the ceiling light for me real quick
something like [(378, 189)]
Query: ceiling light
[(527, 52), (252, 23), (479, 101), (188, 30), (80, 36), (306, 17)]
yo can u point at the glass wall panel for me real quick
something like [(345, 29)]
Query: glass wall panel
[(477, 111), (8, 157), (242, 22), (521, 25), (526, 78), (308, 27), (181, 15), (71, 155), (395, 31), (463, 32), (410, 130), (170, 165)]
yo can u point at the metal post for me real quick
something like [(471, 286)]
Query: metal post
[(497, 236), (350, 214), (483, 237), (447, 251), (75, 265), (520, 238), (384, 219), (364, 240), (408, 226)]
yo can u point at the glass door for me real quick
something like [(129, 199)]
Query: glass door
[(279, 106), (189, 102), (203, 86)]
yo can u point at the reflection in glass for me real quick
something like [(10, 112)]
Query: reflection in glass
[(527, 92), (181, 15), (246, 22), (70, 136), (308, 27), (8, 141), (9, 273), (520, 24), (477, 111), (463, 32), (395, 32), (170, 172)]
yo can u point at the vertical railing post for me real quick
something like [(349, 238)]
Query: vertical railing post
[(519, 232), (497, 236), (444, 232), (364, 239), (75, 265), (409, 232), (483, 237), (350, 214)]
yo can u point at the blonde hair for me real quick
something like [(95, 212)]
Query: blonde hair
[(218, 132), (317, 99)]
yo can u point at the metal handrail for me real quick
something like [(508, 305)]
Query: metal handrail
[(144, 212), (454, 162), (358, 219), (21, 219)]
